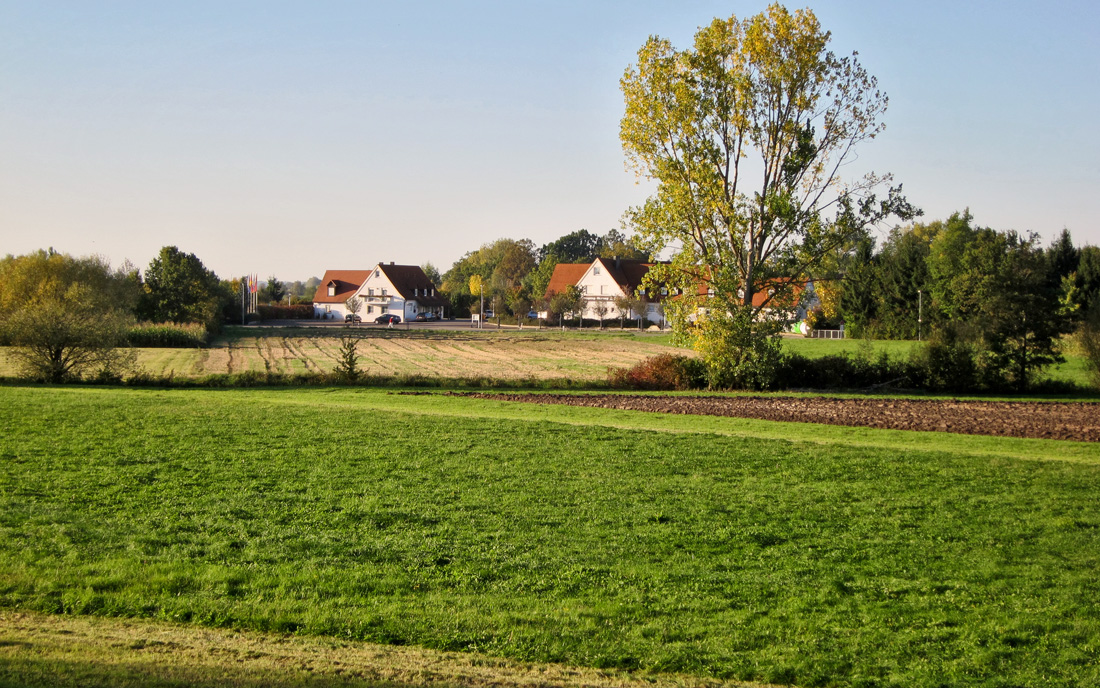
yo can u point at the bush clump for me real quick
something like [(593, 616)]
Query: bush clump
[(665, 372)]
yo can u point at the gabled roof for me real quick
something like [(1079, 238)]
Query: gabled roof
[(347, 283), (412, 284), (628, 274), (565, 275)]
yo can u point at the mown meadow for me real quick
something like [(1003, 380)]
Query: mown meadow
[(711, 546)]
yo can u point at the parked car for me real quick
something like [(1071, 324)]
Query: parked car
[(352, 317), (488, 314), (388, 318), (426, 317), (534, 315)]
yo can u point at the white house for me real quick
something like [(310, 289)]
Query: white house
[(334, 290), (401, 290), (605, 280)]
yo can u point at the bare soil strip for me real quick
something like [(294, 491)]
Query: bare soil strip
[(1079, 421), (75, 651)]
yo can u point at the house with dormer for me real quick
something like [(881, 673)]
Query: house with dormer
[(336, 287), (401, 290)]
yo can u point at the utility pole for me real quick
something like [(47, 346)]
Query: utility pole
[(920, 312)]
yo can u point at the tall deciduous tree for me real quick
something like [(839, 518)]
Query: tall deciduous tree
[(746, 135), (66, 316)]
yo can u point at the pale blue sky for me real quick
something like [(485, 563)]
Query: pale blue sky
[(286, 138)]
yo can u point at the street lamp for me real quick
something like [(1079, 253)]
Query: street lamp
[(920, 312)]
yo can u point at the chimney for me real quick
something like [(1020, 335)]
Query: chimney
[(391, 262), (618, 263)]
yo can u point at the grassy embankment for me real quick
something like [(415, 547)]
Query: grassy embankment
[(708, 546)]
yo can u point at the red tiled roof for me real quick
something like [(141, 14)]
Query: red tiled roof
[(347, 283), (412, 284), (759, 297), (565, 275), (628, 274)]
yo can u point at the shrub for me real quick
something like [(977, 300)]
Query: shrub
[(168, 335), (663, 372), (947, 362), (347, 364)]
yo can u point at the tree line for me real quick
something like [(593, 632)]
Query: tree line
[(996, 302)]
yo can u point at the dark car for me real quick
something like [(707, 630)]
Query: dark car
[(352, 317), (426, 317), (388, 319)]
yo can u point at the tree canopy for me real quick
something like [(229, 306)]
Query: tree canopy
[(179, 288), (746, 135), (66, 316)]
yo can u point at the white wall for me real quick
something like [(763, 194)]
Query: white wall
[(598, 285)]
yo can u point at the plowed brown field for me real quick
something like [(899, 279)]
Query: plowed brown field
[(1048, 420)]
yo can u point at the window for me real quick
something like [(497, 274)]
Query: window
[(595, 269), (370, 309), (603, 289), (370, 291), (331, 289), (664, 291), (416, 291), (383, 291)]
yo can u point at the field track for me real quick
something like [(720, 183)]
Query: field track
[(1057, 421)]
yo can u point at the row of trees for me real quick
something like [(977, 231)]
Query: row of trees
[(998, 299), (928, 276)]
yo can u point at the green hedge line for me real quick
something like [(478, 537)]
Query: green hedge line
[(302, 311)]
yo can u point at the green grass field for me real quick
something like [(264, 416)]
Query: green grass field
[(717, 547)]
